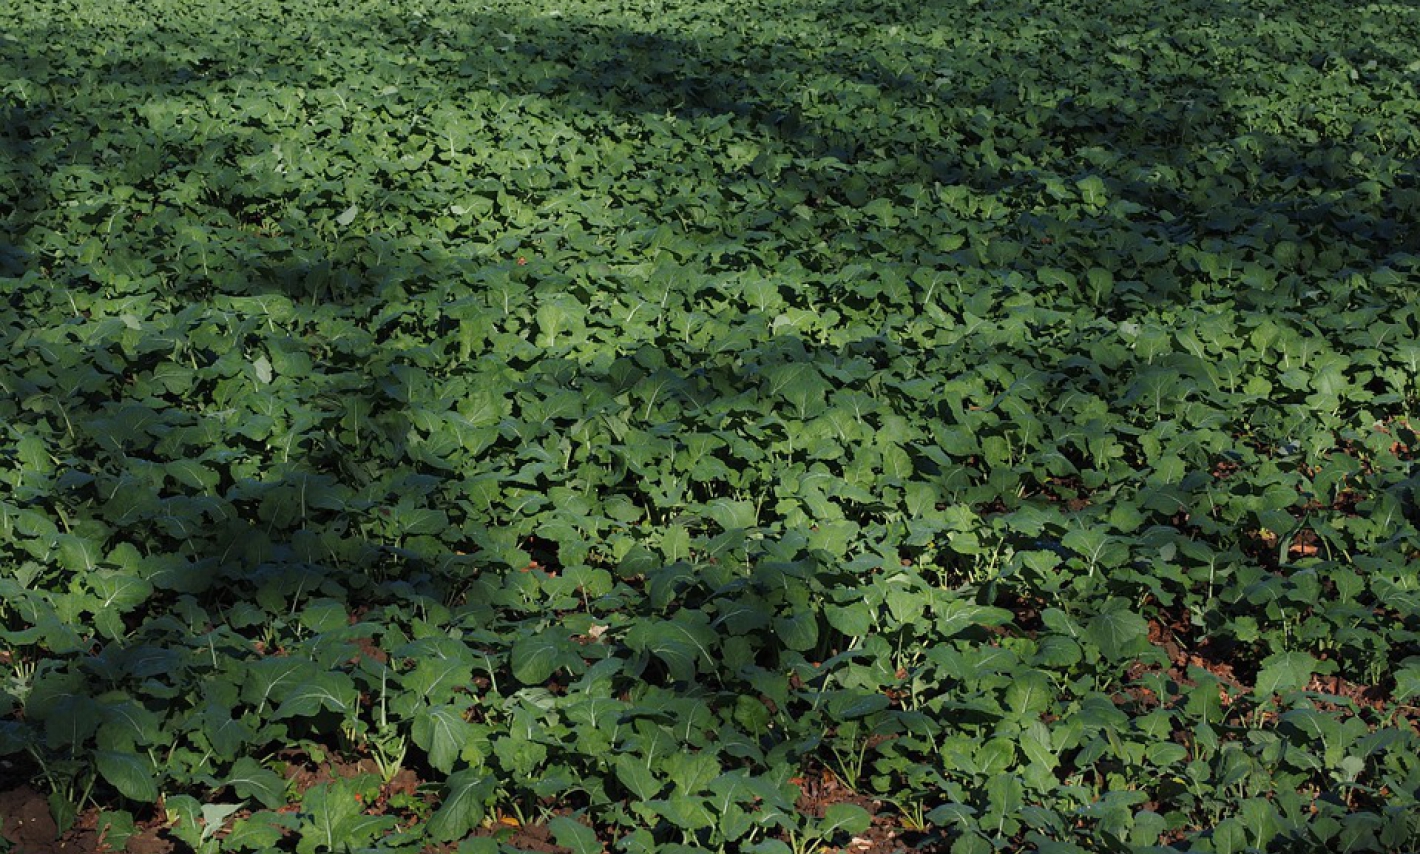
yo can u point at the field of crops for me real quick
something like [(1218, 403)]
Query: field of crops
[(779, 426)]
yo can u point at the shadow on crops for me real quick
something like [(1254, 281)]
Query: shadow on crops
[(152, 168), (810, 95)]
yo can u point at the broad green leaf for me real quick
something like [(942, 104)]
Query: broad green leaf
[(332, 691), (324, 615), (69, 720), (1285, 671), (115, 827), (272, 679), (463, 805), (769, 846), (326, 808), (684, 811), (682, 644), (1092, 191), (185, 812), (636, 777), (437, 679), (853, 704), (1118, 632), (798, 630), (119, 591), (752, 715), (731, 515), (126, 724), (226, 735), (441, 732), (536, 657), (262, 368), (853, 620), (574, 836), (250, 780), (952, 813), (1029, 693), (558, 319), (130, 774), (79, 554), (955, 615), (1407, 683), (844, 818), (690, 773), (260, 832), (193, 474)]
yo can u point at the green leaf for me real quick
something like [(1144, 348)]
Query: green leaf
[(79, 554), (1118, 632), (952, 813), (1029, 693), (574, 836), (557, 317), (262, 368), (752, 715), (732, 515), (437, 679), (118, 590), (1093, 191), (681, 643), (260, 832), (536, 657), (463, 806), (1407, 683), (956, 615), (326, 807), (1285, 671), (853, 620), (68, 721), (666, 582), (1230, 837), (636, 777), (769, 846), (127, 724), (115, 827), (249, 780), (130, 774), (194, 474), (226, 735), (854, 704), (324, 615), (690, 773), (684, 811), (328, 690), (272, 679), (844, 818), (441, 732), (798, 630), (185, 812)]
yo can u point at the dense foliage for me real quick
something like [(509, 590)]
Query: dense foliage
[(623, 417)]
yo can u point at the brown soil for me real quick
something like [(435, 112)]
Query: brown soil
[(29, 828), (886, 835), (148, 841), (27, 823), (533, 838), (305, 774)]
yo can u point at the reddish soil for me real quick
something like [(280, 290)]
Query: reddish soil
[(305, 774), (27, 823), (886, 835), (30, 829)]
